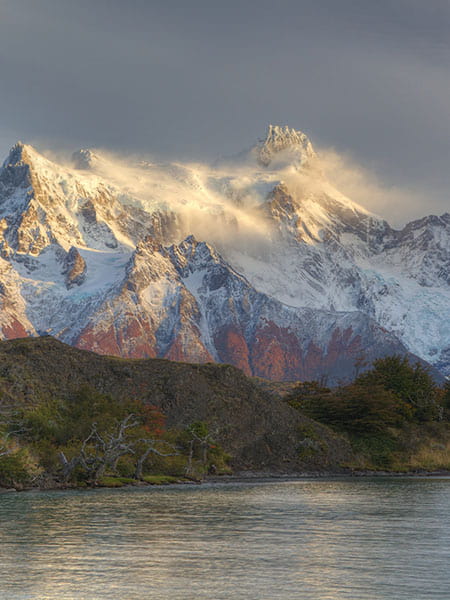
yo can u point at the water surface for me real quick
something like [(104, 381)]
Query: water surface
[(308, 539)]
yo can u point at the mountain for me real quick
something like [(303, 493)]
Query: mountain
[(257, 261)]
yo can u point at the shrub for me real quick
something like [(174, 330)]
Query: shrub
[(354, 408), (18, 468)]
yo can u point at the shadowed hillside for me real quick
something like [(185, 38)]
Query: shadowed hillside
[(258, 429)]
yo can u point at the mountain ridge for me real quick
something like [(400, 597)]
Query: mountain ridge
[(265, 266)]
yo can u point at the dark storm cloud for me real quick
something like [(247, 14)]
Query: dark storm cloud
[(200, 78)]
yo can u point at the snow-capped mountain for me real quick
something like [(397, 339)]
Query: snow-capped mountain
[(257, 261)]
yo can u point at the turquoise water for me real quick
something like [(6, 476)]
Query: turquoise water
[(309, 539)]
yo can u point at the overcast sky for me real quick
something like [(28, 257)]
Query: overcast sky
[(201, 78)]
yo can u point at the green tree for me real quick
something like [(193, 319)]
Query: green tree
[(411, 384), (356, 409)]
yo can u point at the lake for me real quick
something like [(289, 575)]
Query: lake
[(315, 539)]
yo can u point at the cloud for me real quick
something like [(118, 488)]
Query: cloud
[(396, 204), (219, 208)]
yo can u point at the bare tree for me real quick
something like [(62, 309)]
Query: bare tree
[(151, 448), (188, 469), (100, 452), (5, 449), (199, 434)]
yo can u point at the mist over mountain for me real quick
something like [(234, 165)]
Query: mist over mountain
[(257, 260)]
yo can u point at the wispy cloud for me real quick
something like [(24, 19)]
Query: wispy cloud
[(396, 204)]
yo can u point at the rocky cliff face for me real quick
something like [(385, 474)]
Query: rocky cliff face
[(284, 277)]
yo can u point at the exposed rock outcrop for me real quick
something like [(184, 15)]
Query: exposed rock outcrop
[(74, 268)]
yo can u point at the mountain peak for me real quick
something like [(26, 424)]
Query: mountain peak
[(19, 155), (84, 159), (16, 169), (284, 146), (285, 135)]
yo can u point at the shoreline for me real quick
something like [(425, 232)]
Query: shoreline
[(246, 477), (257, 477)]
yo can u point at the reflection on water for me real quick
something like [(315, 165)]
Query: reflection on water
[(358, 539)]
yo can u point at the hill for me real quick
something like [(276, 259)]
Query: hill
[(258, 429)]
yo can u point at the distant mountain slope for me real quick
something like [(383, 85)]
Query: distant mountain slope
[(258, 261)]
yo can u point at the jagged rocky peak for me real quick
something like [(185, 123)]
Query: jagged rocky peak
[(191, 249), (191, 255), (281, 203), (182, 253), (280, 194), (74, 268), (19, 154), (84, 159), (15, 171), (23, 167), (289, 145)]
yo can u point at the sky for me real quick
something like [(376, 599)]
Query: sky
[(369, 82)]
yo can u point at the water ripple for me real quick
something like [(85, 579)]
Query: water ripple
[(313, 540)]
